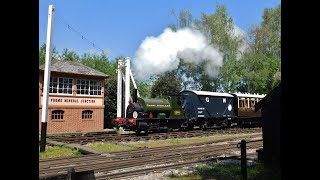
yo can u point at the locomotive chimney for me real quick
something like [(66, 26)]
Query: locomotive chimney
[(135, 95)]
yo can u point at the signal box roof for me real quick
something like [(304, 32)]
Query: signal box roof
[(72, 67)]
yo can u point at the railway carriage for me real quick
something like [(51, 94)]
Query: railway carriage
[(245, 109), (189, 109), (208, 109)]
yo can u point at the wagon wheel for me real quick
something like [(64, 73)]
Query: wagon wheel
[(241, 124), (204, 127), (184, 126), (190, 127), (226, 124)]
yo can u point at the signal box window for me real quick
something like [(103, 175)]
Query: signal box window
[(89, 87), (60, 85), (87, 114), (57, 115)]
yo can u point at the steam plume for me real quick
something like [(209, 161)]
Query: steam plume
[(157, 55)]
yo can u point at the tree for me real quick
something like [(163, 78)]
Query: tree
[(42, 53), (68, 55), (265, 43), (144, 89), (267, 36), (166, 84), (191, 75), (99, 62), (185, 19), (253, 71), (219, 28), (276, 79), (110, 99)]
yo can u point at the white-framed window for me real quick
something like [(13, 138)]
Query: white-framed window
[(242, 103), (60, 85), (88, 87), (57, 115), (252, 103), (87, 114)]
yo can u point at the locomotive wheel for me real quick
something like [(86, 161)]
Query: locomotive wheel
[(241, 125), (183, 127), (138, 132), (169, 130), (226, 124)]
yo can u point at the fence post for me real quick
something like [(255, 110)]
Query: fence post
[(243, 159), (71, 174)]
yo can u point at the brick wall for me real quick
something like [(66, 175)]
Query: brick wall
[(73, 122)]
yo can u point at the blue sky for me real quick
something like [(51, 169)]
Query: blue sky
[(119, 26)]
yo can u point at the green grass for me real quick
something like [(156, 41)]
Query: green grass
[(223, 171), (180, 141), (227, 170), (187, 177), (58, 151), (220, 171), (110, 147)]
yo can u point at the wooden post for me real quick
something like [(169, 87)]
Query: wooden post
[(243, 159)]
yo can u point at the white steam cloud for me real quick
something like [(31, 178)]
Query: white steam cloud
[(157, 55)]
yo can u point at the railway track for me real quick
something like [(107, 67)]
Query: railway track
[(145, 171), (113, 137), (144, 160)]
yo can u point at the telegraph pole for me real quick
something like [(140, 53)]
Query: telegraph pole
[(46, 80)]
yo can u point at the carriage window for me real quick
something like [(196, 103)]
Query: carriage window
[(241, 103), (245, 103), (252, 103)]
